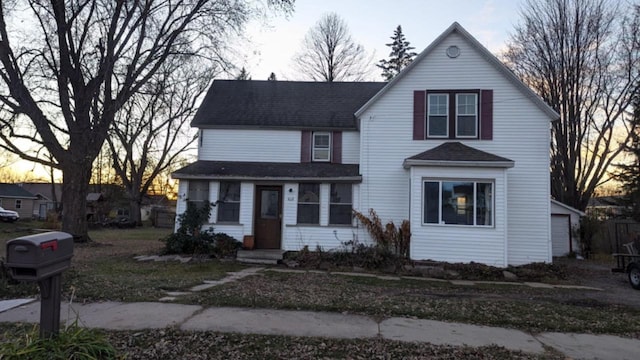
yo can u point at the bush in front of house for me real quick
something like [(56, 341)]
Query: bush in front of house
[(191, 239)]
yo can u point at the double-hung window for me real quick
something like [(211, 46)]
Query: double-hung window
[(452, 114), (198, 193), (438, 115), (467, 115), (321, 146), (340, 204), (309, 203), (18, 204), (458, 202), (229, 202)]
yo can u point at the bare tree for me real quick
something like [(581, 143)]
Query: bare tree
[(66, 75), (330, 54), (582, 58), (151, 133)]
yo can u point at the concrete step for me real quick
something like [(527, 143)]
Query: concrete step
[(257, 261), (260, 254)]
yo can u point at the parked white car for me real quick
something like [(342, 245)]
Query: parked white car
[(8, 215)]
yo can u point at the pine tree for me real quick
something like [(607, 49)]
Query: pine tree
[(244, 75), (629, 173), (399, 57), (272, 77)]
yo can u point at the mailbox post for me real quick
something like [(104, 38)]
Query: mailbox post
[(42, 258)]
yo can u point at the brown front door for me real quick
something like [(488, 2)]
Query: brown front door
[(268, 217)]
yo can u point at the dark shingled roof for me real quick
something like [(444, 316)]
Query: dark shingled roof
[(456, 152), (15, 191), (268, 171), (322, 105)]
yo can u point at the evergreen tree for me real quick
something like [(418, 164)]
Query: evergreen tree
[(244, 75), (399, 57), (272, 77), (629, 173)]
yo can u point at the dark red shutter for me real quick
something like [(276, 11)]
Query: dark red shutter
[(419, 115), (305, 147), (486, 114), (336, 147)]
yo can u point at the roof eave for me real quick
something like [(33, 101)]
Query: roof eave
[(570, 208), (265, 178), (453, 163)]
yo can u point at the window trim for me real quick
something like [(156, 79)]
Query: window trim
[(18, 204), (220, 201), (477, 115), (350, 223), (475, 182), (308, 203), (446, 136), (452, 113), (313, 146)]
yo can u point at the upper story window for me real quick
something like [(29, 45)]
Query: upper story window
[(453, 114), (321, 150), (438, 115), (466, 115)]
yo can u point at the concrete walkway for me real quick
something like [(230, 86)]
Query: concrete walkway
[(157, 315)]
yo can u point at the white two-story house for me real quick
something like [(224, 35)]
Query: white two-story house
[(455, 143)]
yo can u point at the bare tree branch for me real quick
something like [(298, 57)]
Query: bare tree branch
[(582, 58), (329, 53)]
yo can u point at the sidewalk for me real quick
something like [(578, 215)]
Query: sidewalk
[(157, 315)]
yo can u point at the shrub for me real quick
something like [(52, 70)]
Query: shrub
[(390, 237), (352, 254), (190, 238), (589, 229), (73, 342), (225, 245)]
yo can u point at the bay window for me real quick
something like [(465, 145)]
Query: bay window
[(458, 202)]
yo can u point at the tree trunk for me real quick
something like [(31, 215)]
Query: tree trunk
[(75, 187), (134, 211)]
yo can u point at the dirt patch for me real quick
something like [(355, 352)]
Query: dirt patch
[(616, 288)]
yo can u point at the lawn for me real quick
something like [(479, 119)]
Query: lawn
[(170, 344), (105, 270)]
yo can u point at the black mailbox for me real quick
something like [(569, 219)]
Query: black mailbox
[(37, 257), (42, 258)]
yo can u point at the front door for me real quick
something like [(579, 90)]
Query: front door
[(268, 217)]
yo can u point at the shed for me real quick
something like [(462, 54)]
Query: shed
[(564, 219)]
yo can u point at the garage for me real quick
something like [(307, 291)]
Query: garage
[(564, 218), (561, 234)]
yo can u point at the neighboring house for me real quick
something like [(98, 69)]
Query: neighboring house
[(14, 197), (48, 197), (565, 223), (455, 143), (607, 207)]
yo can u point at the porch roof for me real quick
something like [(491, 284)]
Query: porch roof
[(457, 154), (269, 171)]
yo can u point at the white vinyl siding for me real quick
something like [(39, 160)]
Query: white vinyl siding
[(350, 147), (520, 133), (250, 145)]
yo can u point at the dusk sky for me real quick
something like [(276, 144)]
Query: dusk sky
[(371, 24)]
